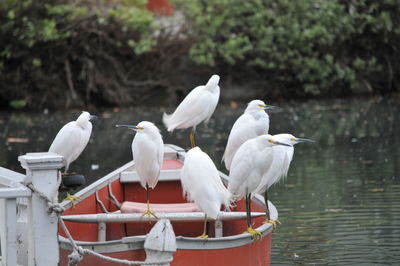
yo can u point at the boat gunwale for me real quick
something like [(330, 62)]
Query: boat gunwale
[(182, 242), (137, 242)]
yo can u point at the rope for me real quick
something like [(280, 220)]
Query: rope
[(53, 207), (77, 254)]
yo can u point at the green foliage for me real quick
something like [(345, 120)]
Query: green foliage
[(49, 49), (60, 53), (317, 45), (18, 104)]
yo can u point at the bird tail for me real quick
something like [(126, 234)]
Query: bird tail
[(223, 157), (229, 201), (167, 121)]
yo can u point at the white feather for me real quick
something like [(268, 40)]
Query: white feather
[(148, 151), (254, 122), (280, 166), (202, 184), (72, 139), (198, 106), (250, 164)]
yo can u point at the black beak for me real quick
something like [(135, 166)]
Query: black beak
[(134, 127), (271, 107), (281, 143), (305, 140)]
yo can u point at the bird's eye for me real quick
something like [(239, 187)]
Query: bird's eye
[(140, 128), (270, 141), (293, 139), (261, 105)]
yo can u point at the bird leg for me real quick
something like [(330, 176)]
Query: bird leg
[(192, 138), (148, 212), (204, 235), (71, 198), (273, 222), (255, 234)]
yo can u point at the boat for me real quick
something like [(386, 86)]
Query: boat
[(105, 220)]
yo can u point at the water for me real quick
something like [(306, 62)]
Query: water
[(340, 204)]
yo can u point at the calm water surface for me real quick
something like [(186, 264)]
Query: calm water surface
[(340, 204)]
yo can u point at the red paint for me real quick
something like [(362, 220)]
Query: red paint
[(160, 7)]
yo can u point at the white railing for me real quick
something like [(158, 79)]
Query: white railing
[(30, 242), (29, 216), (10, 191)]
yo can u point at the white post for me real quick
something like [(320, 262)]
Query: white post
[(160, 243), (8, 223), (102, 232), (42, 173), (218, 228)]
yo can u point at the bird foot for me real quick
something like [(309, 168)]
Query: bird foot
[(204, 236), (67, 174), (72, 198), (273, 222), (255, 234), (149, 214)]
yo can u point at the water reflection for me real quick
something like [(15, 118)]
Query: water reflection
[(340, 204)]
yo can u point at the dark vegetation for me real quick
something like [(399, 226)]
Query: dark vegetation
[(61, 53)]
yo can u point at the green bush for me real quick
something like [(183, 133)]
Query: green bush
[(301, 47), (61, 53), (72, 53)]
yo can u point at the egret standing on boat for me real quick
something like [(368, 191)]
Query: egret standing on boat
[(148, 153), (202, 184), (72, 139), (198, 106), (252, 161), (280, 166), (252, 123)]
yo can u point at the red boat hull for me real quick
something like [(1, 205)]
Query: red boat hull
[(255, 253)]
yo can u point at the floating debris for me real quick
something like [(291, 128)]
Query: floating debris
[(233, 104), (380, 189), (17, 140), (333, 210), (106, 115)]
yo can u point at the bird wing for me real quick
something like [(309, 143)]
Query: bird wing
[(66, 142), (249, 166), (242, 130), (279, 168), (201, 183), (192, 110), (212, 102), (84, 136), (241, 168), (148, 161)]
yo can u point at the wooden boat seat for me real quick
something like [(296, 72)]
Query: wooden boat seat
[(140, 207)]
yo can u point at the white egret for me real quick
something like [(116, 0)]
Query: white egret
[(148, 152), (72, 139), (252, 123), (250, 164), (201, 183), (198, 106), (282, 157)]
